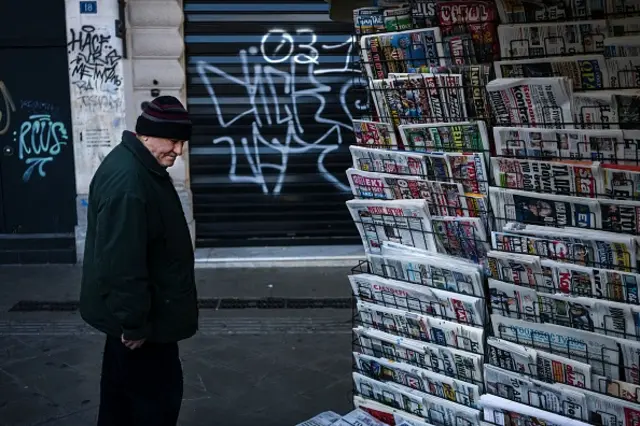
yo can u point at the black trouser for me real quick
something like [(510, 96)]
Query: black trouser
[(140, 387)]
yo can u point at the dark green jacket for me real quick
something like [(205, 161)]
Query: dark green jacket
[(138, 272)]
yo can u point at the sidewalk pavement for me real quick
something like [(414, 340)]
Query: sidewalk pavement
[(246, 366)]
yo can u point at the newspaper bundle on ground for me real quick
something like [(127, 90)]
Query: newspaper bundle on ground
[(433, 270), (401, 52), (600, 351), (389, 415), (550, 368), (417, 378), (556, 398), (540, 102), (455, 307), (385, 161), (562, 144), (374, 134), (585, 72), (402, 221), (422, 327), (358, 418), (511, 205), (580, 178), (549, 39), (327, 418), (461, 137), (591, 247), (448, 361), (501, 411)]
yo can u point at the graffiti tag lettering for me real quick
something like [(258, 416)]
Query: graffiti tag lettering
[(6, 108), (40, 140), (275, 98), (93, 58)]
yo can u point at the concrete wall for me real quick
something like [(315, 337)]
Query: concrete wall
[(107, 89)]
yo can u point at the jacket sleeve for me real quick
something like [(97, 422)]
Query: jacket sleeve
[(121, 242)]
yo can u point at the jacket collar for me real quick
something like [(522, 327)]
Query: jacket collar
[(133, 144)]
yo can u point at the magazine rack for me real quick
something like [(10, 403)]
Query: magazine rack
[(452, 132)]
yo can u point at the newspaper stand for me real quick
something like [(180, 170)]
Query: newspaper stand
[(442, 129)]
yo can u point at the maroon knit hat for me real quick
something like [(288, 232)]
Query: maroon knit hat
[(164, 117)]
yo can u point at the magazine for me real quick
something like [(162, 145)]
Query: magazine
[(403, 221), (375, 134), (422, 380), (436, 270), (405, 51), (418, 298), (600, 351), (541, 102), (448, 361), (585, 72), (554, 38)]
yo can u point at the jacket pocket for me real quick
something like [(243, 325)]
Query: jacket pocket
[(177, 315)]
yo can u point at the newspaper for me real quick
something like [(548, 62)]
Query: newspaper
[(585, 72), (561, 144), (440, 196), (593, 247), (437, 270), (388, 414), (358, 417), (544, 209), (422, 380), (421, 327), (550, 368), (555, 38), (555, 177), (461, 237), (519, 269), (383, 161), (520, 11), (374, 134), (467, 136), (609, 411), (451, 362), (601, 352), (418, 298), (621, 46), (541, 102), (402, 221), (621, 181), (501, 411), (617, 388), (525, 390)]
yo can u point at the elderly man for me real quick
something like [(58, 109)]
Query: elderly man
[(138, 284)]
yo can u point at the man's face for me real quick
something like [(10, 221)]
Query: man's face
[(164, 150)]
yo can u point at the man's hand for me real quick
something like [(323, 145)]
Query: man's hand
[(132, 344)]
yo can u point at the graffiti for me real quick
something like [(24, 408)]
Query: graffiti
[(93, 60), (7, 107), (40, 140), (275, 98), (34, 106), (100, 103)]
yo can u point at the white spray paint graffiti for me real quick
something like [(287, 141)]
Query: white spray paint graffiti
[(274, 99)]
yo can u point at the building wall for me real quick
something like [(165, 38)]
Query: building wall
[(112, 72)]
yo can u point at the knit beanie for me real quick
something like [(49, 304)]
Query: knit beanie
[(164, 117)]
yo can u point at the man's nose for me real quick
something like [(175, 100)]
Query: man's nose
[(178, 147)]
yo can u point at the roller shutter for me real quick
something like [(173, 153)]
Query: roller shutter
[(272, 87)]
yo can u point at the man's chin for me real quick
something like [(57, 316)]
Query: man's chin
[(168, 162)]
